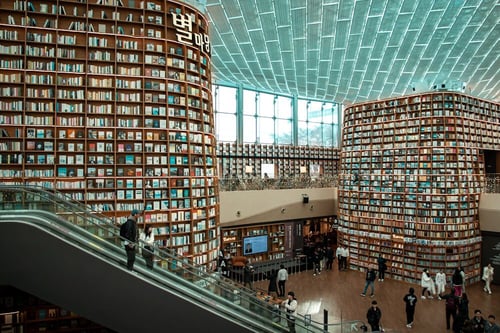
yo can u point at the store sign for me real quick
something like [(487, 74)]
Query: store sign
[(184, 27), (229, 239)]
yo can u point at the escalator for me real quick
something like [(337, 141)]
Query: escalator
[(69, 256)]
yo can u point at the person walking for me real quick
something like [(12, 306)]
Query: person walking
[(129, 231), (427, 284), (290, 306), (451, 307), (148, 239), (373, 316), (411, 301), (487, 277), (282, 278), (440, 283), (382, 267), (370, 281), (490, 326)]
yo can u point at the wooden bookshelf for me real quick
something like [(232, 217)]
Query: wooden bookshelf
[(244, 160), (110, 102), (413, 172)]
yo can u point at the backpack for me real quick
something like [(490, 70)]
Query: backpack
[(124, 229)]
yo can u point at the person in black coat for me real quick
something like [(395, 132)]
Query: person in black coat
[(382, 267), (130, 234), (272, 289), (374, 315), (462, 313)]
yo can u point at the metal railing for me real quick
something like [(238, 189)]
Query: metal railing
[(254, 183), (492, 183)]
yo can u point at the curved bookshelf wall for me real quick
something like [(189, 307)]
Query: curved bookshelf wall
[(413, 171), (109, 101)]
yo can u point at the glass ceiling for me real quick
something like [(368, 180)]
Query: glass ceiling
[(352, 51)]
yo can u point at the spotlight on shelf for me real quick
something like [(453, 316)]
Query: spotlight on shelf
[(305, 198)]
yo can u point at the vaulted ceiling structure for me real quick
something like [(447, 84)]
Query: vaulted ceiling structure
[(355, 50)]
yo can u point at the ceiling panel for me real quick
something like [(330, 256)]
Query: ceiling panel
[(355, 50)]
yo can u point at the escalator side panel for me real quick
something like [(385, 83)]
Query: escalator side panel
[(44, 265)]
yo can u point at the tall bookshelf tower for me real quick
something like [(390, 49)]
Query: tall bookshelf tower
[(109, 101), (413, 170)]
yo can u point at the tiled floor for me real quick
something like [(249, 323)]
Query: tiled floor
[(339, 293)]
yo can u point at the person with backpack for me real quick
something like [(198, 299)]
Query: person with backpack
[(451, 307), (370, 281), (128, 231)]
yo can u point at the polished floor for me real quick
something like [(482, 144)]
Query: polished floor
[(339, 293)]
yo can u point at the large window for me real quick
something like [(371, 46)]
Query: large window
[(225, 106), (268, 118)]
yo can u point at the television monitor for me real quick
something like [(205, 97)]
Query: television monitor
[(255, 244)]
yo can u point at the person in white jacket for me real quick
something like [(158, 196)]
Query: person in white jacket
[(440, 283), (290, 306), (427, 284), (148, 239), (488, 272)]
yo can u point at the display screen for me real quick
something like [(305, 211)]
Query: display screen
[(255, 244)]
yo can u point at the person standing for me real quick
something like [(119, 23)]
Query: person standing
[(411, 301), (382, 267), (330, 256), (248, 271), (457, 282), (462, 313), (370, 281), (290, 305), (282, 278), (478, 322), (440, 283), (464, 277), (373, 316), (148, 239), (427, 284), (338, 254), (273, 286), (451, 307), (490, 326), (316, 258), (487, 277), (130, 235), (345, 257)]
